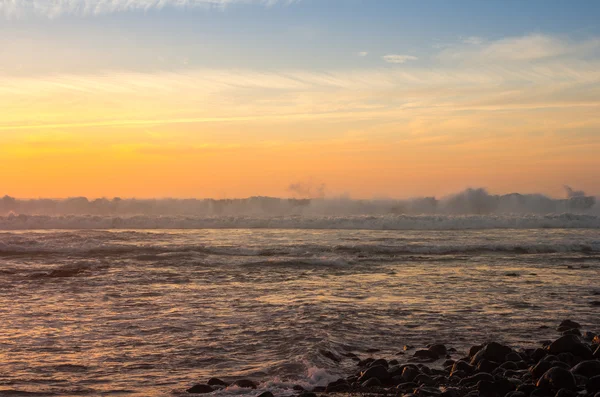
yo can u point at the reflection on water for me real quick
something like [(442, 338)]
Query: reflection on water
[(149, 313)]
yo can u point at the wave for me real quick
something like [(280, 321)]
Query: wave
[(362, 222)]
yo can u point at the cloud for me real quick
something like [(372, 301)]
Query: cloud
[(394, 58), (532, 47), (362, 53), (55, 8)]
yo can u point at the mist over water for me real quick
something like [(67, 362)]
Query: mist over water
[(469, 209)]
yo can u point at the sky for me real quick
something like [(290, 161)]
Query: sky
[(238, 98)]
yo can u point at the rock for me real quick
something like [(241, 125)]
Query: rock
[(427, 391), (572, 331), (477, 378), (216, 382), (569, 324), (526, 388), (486, 366), (379, 371), (298, 388), (486, 388), (245, 383), (595, 303), (373, 382), (538, 354), (266, 394), (380, 361), (570, 344), (393, 362), (597, 353), (307, 394), (513, 356), (318, 389), (593, 385), (425, 380), (427, 354), (509, 365), (565, 393), (330, 355), (557, 378), (438, 349), (474, 349), (372, 350), (451, 392), (339, 386), (493, 352), (462, 366), (407, 347), (200, 389), (448, 363), (516, 394), (410, 373), (588, 368)]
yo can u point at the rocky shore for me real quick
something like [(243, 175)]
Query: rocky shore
[(566, 367)]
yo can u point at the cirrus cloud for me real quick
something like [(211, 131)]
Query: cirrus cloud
[(396, 58)]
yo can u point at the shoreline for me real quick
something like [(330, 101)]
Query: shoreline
[(568, 366)]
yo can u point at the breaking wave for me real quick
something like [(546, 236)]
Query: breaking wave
[(358, 222)]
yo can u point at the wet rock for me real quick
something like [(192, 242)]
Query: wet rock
[(568, 324), (526, 388), (565, 393), (570, 344), (438, 349), (474, 349), (477, 378), (513, 356), (462, 366), (597, 353), (486, 388), (588, 368), (379, 371), (515, 394), (339, 386), (423, 379), (200, 389), (365, 362), (407, 386), (410, 373), (486, 366), (538, 354), (540, 369), (266, 394), (572, 331), (318, 389), (589, 336), (426, 354), (309, 394), (408, 347), (493, 352), (451, 392), (380, 361), (298, 388), (372, 350), (217, 382), (427, 391), (458, 374), (448, 363), (593, 385), (245, 383), (557, 378), (393, 362), (373, 382), (330, 355), (509, 365)]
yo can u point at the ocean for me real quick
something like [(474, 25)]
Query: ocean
[(111, 309)]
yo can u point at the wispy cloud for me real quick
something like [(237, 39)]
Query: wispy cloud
[(362, 53), (530, 47), (395, 58), (56, 8)]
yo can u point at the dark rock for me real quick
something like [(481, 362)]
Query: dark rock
[(477, 378), (439, 349), (541, 393), (569, 324), (538, 354), (509, 365), (513, 356), (486, 366), (410, 373), (557, 378), (310, 394), (567, 358), (379, 371), (298, 388), (365, 362), (572, 331), (515, 394), (565, 393), (372, 350), (330, 355), (426, 354), (486, 388), (597, 353), (245, 383), (407, 347), (462, 366), (266, 394), (593, 385), (589, 336), (451, 392), (493, 352), (381, 361), (526, 388), (393, 362), (217, 382), (448, 363), (595, 303), (588, 368), (570, 344), (396, 370), (474, 349), (427, 391), (540, 369), (339, 386), (407, 386), (373, 382), (423, 379), (550, 358), (458, 374), (317, 389), (200, 389)]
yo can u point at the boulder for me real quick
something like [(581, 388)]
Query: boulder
[(569, 324), (373, 382), (245, 383), (217, 382), (266, 394), (570, 344), (493, 352), (438, 349), (426, 354), (200, 389), (593, 385), (379, 371), (588, 368), (557, 378)]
